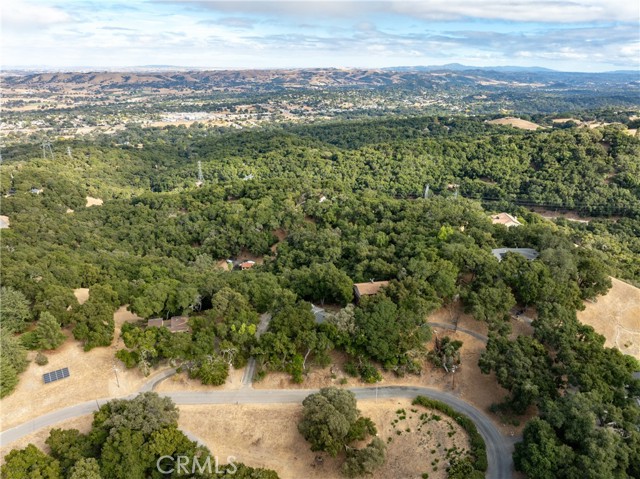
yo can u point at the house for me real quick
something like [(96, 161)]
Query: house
[(505, 219), (368, 289), (36, 191), (247, 265), (155, 323), (177, 324), (528, 253)]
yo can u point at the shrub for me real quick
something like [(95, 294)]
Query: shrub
[(41, 359)]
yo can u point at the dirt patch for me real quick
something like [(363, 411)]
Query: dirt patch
[(267, 436), (616, 316), (81, 294), (37, 438), (223, 265), (246, 255), (516, 123), (281, 235), (94, 201), (565, 120), (91, 377)]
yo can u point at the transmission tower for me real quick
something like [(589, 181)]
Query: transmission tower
[(426, 191), (200, 175), (46, 150), (69, 152)]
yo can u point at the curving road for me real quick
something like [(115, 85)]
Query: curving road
[(499, 447)]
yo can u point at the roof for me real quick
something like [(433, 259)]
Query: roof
[(528, 253), (157, 322), (318, 313), (179, 324), (368, 289), (247, 264), (505, 219)]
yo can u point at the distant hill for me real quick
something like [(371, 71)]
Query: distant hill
[(458, 67), (443, 77)]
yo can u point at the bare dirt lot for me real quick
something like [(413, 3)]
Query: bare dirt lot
[(516, 123), (94, 201), (616, 316), (91, 377), (267, 436), (81, 294)]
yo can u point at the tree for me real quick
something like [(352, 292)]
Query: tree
[(147, 412), (523, 367), (95, 325), (48, 332), (212, 371), (322, 282), (386, 333), (86, 468), (69, 446), (8, 378), (327, 419), (364, 461), (30, 463), (13, 361), (446, 353), (15, 308)]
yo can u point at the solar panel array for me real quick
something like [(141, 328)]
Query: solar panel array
[(55, 375)]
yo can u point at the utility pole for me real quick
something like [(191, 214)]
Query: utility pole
[(115, 370), (200, 175), (46, 148)]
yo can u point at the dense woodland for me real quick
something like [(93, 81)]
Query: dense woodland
[(348, 200)]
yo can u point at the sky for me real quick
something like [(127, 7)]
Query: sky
[(575, 35)]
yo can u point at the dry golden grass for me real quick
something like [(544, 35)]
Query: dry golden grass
[(516, 123), (92, 377), (267, 436), (616, 316)]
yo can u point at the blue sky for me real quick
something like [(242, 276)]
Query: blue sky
[(578, 35)]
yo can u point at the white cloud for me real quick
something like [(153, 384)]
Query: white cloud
[(546, 11), (21, 14)]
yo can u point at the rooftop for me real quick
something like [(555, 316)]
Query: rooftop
[(368, 289), (528, 253), (505, 219)]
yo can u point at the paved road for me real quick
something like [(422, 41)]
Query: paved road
[(499, 448), (479, 336)]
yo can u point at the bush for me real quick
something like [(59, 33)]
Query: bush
[(41, 359), (129, 358), (29, 340), (477, 444), (369, 373)]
